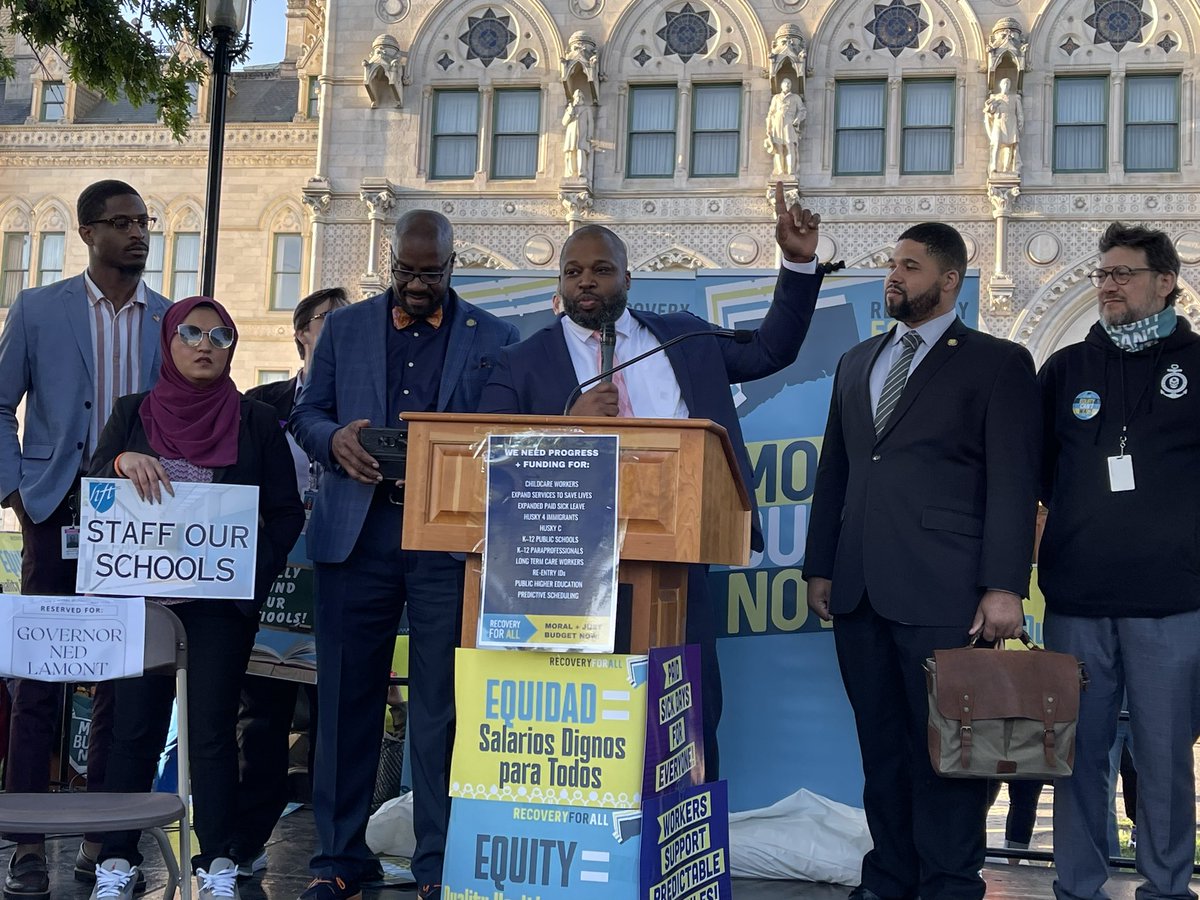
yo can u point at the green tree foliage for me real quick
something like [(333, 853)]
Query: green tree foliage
[(118, 46)]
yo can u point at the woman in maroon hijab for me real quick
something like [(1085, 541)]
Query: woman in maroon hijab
[(195, 426)]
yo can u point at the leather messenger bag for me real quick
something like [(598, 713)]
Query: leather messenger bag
[(1003, 713)]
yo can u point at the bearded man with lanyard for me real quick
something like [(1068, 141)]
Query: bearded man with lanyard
[(1120, 560)]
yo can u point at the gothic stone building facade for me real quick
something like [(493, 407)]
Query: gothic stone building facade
[(461, 106), (661, 109)]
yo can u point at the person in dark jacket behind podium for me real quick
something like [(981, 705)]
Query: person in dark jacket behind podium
[(689, 380), (195, 426), (1120, 562)]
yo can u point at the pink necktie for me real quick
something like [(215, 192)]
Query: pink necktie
[(624, 409)]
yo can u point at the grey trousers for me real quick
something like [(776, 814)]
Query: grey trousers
[(1156, 662)]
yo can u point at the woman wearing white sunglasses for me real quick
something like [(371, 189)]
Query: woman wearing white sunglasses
[(195, 425)]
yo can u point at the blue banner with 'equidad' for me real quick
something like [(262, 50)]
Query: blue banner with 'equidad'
[(786, 722)]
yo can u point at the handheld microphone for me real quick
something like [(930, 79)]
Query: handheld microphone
[(608, 346), (737, 335)]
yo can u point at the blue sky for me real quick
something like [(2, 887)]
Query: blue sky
[(268, 29)]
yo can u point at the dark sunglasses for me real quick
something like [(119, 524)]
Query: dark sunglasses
[(220, 337)]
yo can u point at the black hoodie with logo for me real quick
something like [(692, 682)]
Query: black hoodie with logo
[(1127, 553)]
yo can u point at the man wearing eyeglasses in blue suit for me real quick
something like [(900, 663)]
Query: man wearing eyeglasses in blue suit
[(416, 347), (68, 350)]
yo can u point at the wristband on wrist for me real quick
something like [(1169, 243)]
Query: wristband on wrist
[(117, 465)]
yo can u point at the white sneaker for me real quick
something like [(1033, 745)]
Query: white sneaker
[(115, 880), (219, 882), (250, 869)]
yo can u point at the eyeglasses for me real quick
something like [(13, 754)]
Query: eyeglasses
[(124, 223), (404, 276), (220, 337), (1119, 274)]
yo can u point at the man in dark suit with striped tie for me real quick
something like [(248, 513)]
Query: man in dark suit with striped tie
[(921, 534)]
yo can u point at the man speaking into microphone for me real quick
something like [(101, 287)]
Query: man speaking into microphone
[(690, 379)]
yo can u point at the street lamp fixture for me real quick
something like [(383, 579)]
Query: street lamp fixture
[(226, 40)]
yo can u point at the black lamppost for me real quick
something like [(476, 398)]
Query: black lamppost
[(223, 43)]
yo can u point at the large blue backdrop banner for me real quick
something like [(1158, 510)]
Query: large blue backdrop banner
[(787, 723)]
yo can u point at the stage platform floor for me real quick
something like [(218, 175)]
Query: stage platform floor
[(292, 843)]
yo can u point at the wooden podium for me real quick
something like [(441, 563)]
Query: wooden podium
[(682, 500)]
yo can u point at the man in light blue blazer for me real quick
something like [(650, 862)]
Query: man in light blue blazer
[(418, 347), (68, 350)]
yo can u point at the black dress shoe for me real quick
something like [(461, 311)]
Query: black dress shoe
[(27, 879)]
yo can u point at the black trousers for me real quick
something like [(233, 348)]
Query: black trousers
[(37, 705), (358, 608), (268, 706), (702, 630), (219, 640), (928, 831)]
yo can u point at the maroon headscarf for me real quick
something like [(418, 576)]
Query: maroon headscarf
[(183, 420)]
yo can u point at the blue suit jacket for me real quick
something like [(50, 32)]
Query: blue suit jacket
[(47, 359), (347, 380), (537, 376)]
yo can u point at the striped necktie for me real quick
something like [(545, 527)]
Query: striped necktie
[(897, 376)]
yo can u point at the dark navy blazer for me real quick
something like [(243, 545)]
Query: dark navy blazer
[(537, 376)]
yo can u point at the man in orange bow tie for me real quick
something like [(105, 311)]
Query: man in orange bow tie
[(416, 347)]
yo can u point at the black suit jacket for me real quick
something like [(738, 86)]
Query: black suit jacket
[(279, 395), (536, 376), (263, 459), (940, 507)]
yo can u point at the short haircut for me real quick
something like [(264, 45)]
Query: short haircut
[(90, 205), (943, 243), (433, 223), (307, 308), (1161, 255), (607, 235)]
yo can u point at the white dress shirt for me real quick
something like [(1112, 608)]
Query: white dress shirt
[(651, 384), (931, 332)]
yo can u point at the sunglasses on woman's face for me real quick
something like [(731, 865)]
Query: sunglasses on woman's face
[(220, 337)]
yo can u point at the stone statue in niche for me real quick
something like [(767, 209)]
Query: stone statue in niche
[(577, 136), (383, 72), (1004, 119), (785, 119)]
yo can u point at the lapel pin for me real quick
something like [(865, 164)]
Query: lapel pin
[(155, 317), (953, 342), (470, 323)]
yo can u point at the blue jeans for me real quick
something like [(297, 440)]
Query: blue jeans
[(1156, 664)]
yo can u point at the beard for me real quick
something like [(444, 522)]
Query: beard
[(610, 309), (132, 270), (913, 309)]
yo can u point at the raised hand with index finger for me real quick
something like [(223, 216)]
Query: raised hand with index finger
[(796, 229)]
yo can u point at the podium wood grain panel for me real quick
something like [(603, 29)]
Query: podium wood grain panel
[(681, 501), (681, 498)]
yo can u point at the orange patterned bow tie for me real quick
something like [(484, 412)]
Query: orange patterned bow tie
[(401, 319)]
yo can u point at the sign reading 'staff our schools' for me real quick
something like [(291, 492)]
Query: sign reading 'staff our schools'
[(550, 728)]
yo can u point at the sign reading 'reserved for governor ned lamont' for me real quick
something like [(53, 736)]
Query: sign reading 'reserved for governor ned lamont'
[(72, 638), (550, 547), (199, 544)]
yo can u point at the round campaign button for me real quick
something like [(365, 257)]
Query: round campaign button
[(1086, 405)]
